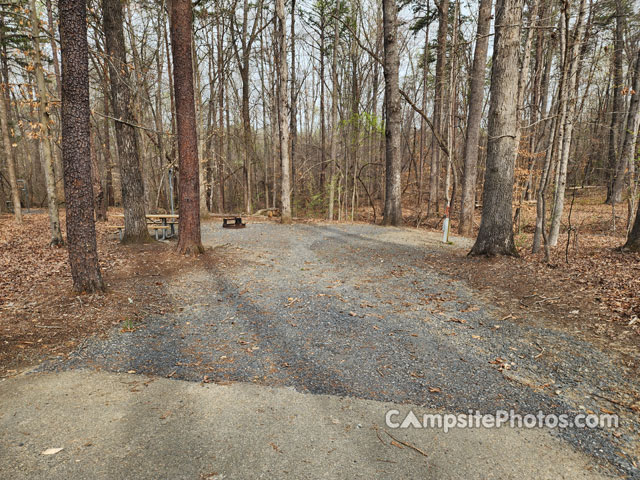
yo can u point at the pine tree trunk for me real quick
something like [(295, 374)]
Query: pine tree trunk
[(180, 19), (283, 110), (476, 97), (391, 61), (131, 183), (81, 233), (496, 228), (45, 134)]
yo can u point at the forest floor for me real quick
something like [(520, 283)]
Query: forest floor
[(40, 316), (345, 310)]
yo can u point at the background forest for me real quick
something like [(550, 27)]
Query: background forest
[(576, 76)]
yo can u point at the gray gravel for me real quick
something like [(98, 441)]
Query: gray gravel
[(354, 311)]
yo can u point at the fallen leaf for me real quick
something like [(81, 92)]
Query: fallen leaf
[(52, 451)]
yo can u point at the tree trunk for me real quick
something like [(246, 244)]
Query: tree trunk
[(180, 19), (633, 241), (393, 189), (220, 136), (476, 97), (293, 105), (9, 157), (441, 67), (283, 110), (45, 134), (334, 120), (568, 104), (81, 233), (496, 228), (323, 134), (630, 132), (617, 115), (96, 177), (5, 98), (131, 183)]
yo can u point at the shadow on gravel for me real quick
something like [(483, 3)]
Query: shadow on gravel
[(331, 310)]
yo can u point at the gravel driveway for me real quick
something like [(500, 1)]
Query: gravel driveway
[(353, 310)]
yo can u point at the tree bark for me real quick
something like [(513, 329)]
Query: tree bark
[(5, 99), (181, 18), (131, 183), (220, 136), (333, 147), (633, 240), (45, 134), (568, 103), (56, 68), (393, 189), (630, 132), (81, 233), (617, 115), (283, 110), (496, 228), (476, 97), (441, 67), (293, 108)]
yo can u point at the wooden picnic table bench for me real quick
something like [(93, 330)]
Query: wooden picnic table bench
[(158, 222)]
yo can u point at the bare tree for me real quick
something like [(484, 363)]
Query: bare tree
[(283, 109), (496, 227), (476, 96), (617, 114), (568, 101), (441, 67), (81, 233), (135, 222), (5, 99), (44, 134), (393, 189)]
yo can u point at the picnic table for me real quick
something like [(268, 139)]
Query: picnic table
[(158, 222)]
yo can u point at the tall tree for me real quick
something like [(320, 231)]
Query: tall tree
[(393, 167), (496, 227), (181, 18), (242, 48), (568, 102), (135, 222), (333, 147), (5, 99), (438, 111), (76, 156), (633, 240), (44, 133), (630, 132), (476, 96), (293, 120), (617, 105), (283, 109)]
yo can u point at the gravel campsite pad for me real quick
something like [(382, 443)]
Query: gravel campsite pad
[(354, 310)]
